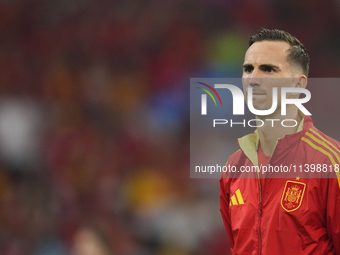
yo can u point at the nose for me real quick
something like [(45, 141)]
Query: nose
[(254, 79)]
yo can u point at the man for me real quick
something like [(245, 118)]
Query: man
[(266, 215)]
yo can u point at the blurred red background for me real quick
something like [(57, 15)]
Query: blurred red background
[(94, 117)]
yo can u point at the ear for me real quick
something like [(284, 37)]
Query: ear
[(301, 82)]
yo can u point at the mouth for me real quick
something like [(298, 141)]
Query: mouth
[(258, 93)]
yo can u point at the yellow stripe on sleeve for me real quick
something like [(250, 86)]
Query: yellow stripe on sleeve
[(322, 143), (324, 139), (325, 153)]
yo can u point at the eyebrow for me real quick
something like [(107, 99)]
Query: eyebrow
[(263, 66), (247, 65)]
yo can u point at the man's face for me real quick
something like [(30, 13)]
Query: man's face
[(263, 60)]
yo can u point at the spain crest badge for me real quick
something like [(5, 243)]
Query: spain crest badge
[(292, 195)]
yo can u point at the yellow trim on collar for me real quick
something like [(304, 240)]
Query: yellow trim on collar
[(300, 127), (250, 143)]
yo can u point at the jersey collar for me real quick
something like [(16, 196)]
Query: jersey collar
[(249, 144)]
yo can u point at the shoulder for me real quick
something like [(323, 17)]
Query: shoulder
[(321, 148), (325, 137), (236, 156), (314, 134), (235, 160), (320, 141)]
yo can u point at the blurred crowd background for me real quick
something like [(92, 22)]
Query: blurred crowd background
[(94, 117)]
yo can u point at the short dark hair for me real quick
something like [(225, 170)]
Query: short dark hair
[(298, 53)]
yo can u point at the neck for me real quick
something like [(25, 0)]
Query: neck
[(272, 130)]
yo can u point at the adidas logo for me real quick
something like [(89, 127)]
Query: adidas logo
[(236, 199)]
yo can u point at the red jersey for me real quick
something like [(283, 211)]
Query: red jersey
[(284, 215)]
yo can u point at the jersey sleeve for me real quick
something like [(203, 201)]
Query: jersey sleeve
[(333, 213), (224, 208)]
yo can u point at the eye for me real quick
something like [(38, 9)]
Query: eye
[(248, 69), (268, 69)]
